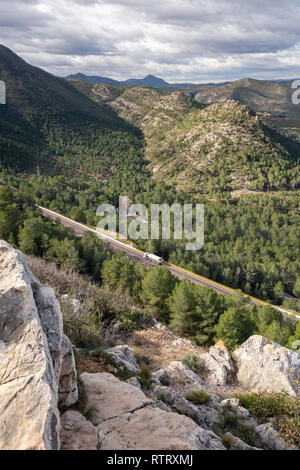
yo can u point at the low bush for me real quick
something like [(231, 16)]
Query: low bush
[(198, 397), (284, 408), (194, 362)]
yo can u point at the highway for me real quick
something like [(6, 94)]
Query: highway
[(137, 255)]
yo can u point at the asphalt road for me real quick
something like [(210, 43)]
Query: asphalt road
[(137, 255)]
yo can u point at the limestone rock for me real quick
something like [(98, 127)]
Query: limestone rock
[(51, 320), (267, 366), (230, 403), (162, 376), (178, 403), (235, 443), (219, 364), (123, 355), (182, 376), (270, 438), (242, 412), (134, 381), (154, 429), (67, 388), (28, 374), (107, 397), (77, 433)]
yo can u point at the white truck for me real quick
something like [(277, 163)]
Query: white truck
[(154, 258)]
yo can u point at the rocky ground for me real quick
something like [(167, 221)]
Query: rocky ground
[(136, 396)]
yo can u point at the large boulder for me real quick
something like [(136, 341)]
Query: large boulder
[(35, 358), (106, 396), (128, 420), (218, 364), (154, 429), (123, 356), (31, 329), (267, 366)]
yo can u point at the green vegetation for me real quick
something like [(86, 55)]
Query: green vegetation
[(198, 397), (284, 408), (71, 146), (229, 422), (194, 362), (157, 286), (193, 311)]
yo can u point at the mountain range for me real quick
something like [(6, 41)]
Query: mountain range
[(149, 80), (272, 97), (195, 139)]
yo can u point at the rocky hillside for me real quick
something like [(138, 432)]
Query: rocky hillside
[(198, 149), (261, 95), (198, 404)]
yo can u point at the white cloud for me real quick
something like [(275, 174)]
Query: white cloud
[(180, 40)]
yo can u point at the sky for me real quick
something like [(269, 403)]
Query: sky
[(179, 40)]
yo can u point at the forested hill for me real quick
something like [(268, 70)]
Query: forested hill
[(200, 148), (31, 89), (50, 124)]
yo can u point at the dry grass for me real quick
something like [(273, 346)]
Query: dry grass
[(161, 346)]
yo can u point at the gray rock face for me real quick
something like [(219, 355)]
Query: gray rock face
[(270, 438), (235, 443), (219, 364), (162, 376), (108, 397), (267, 366), (125, 419), (31, 332), (67, 387), (182, 376), (28, 385), (154, 429), (77, 433), (134, 381), (123, 356), (178, 403)]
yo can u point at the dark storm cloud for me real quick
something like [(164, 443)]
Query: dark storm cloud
[(192, 40)]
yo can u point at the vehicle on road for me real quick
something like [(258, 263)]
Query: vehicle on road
[(154, 258)]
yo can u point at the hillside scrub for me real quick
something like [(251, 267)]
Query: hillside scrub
[(283, 408)]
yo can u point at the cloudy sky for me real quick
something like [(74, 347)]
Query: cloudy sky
[(179, 40)]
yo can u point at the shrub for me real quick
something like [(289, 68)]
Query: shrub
[(194, 362), (198, 397), (284, 408), (229, 422)]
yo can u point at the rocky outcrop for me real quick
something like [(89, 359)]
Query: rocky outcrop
[(31, 330), (123, 357), (153, 429), (125, 419), (67, 387), (77, 433), (263, 365), (235, 443), (270, 438), (218, 364), (106, 396), (182, 376)]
